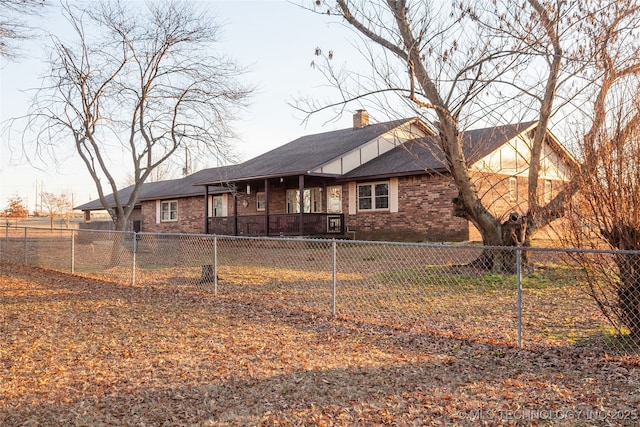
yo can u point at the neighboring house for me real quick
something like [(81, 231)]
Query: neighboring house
[(385, 181)]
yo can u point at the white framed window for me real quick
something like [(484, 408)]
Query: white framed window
[(312, 200), (373, 196), (218, 205), (169, 211), (513, 188), (261, 200), (334, 199)]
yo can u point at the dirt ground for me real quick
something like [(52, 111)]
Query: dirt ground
[(83, 352)]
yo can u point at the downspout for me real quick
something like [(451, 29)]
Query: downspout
[(235, 213), (266, 205), (206, 209)]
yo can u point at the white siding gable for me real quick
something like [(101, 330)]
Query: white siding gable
[(370, 150), (552, 166), (513, 159)]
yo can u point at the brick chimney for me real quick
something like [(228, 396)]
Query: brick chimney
[(360, 119)]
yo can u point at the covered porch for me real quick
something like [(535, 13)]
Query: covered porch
[(306, 224), (276, 206)]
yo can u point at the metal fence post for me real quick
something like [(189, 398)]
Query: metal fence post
[(215, 265), (519, 293), (26, 256), (73, 252), (133, 258), (333, 277)]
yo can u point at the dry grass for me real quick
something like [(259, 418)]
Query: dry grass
[(78, 351)]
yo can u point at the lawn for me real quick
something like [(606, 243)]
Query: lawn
[(79, 351)]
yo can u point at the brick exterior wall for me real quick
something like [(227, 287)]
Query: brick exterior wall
[(190, 217), (425, 209), (277, 200), (425, 213)]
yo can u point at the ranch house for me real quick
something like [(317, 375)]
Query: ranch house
[(381, 181)]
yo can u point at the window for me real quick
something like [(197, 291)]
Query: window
[(513, 188), (260, 201), (217, 206), (312, 200), (169, 211), (334, 199), (546, 196), (292, 201), (373, 196)]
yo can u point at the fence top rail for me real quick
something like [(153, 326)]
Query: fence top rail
[(462, 245), (67, 230), (184, 235), (577, 250)]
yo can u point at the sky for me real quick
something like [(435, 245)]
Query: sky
[(274, 39)]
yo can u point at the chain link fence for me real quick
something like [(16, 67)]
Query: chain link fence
[(538, 296)]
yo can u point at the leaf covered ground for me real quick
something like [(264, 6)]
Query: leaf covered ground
[(78, 351)]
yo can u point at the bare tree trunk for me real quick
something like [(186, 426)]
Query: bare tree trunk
[(509, 234), (117, 248), (626, 237), (629, 292)]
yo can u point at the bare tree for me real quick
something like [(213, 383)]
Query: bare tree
[(609, 47), (606, 213), (463, 64), (13, 23), (136, 84), (56, 206)]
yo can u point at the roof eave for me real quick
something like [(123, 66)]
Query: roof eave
[(564, 151), (393, 175), (101, 208), (263, 177)]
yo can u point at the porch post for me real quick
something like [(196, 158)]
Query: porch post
[(266, 205), (235, 213), (301, 203), (206, 209)]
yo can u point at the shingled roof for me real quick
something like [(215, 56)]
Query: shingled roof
[(304, 154), (425, 154), (297, 157), (180, 187), (301, 156)]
